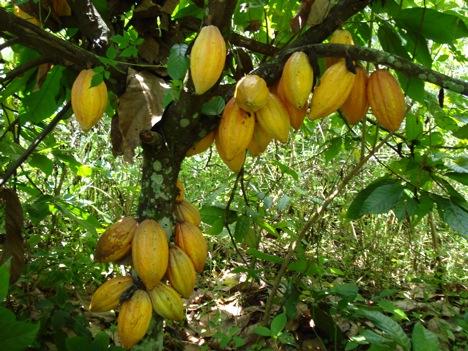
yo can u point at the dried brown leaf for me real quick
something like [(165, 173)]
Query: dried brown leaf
[(140, 107)]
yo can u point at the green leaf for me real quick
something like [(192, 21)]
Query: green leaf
[(78, 343), (391, 41), (452, 214), (4, 279), (416, 44), (214, 106), (346, 290), (41, 162), (462, 132), (378, 197), (391, 328), (16, 335), (423, 339), (413, 87), (263, 331), (376, 339), (177, 63), (413, 127), (264, 257), (459, 177), (214, 216), (243, 226), (278, 323), (286, 169), (432, 24)]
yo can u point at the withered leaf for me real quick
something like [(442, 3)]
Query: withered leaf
[(140, 107)]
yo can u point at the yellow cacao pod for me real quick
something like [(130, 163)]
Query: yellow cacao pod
[(235, 129), (260, 141), (207, 58), (191, 240), (116, 241), (107, 296), (202, 144), (297, 79), (234, 164), (334, 88), (24, 15), (339, 36), (186, 212), (355, 107), (61, 7), (150, 252), (251, 93), (181, 272), (180, 191), (296, 115), (134, 318), (274, 119), (386, 99), (167, 302), (88, 103)]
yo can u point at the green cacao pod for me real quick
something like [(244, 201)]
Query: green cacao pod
[(167, 302), (134, 319), (150, 252), (186, 212), (116, 241), (191, 240), (181, 272), (207, 58), (88, 103), (386, 99), (107, 296)]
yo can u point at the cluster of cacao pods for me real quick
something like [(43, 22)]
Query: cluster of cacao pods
[(255, 115), (165, 272)]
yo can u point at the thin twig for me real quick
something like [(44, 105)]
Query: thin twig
[(14, 166), (316, 215)]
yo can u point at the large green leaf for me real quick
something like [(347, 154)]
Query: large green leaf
[(215, 217), (423, 339), (177, 63), (391, 41), (453, 214), (15, 335), (416, 44), (438, 26)]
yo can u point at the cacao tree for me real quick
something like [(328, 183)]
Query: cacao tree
[(167, 93)]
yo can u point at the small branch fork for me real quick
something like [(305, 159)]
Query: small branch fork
[(312, 220)]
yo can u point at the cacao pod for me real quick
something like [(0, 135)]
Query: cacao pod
[(61, 7), (134, 318), (260, 140), (236, 163), (24, 15), (355, 107), (386, 99), (296, 115), (88, 103), (235, 129), (274, 119), (107, 296), (251, 93), (167, 302), (116, 241), (207, 58), (150, 252), (181, 272), (202, 144), (333, 90), (186, 212), (297, 79), (339, 36), (180, 191), (191, 240)]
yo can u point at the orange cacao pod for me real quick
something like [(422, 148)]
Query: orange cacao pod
[(88, 103), (234, 164), (334, 88), (150, 252), (167, 302), (386, 99), (251, 93), (235, 129), (296, 115), (116, 241), (180, 191), (186, 212), (260, 140), (207, 58), (191, 240), (134, 318), (339, 36), (107, 296), (181, 272), (202, 144), (274, 119), (297, 79), (355, 107)]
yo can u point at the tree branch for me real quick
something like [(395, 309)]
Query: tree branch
[(14, 166), (23, 68)]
